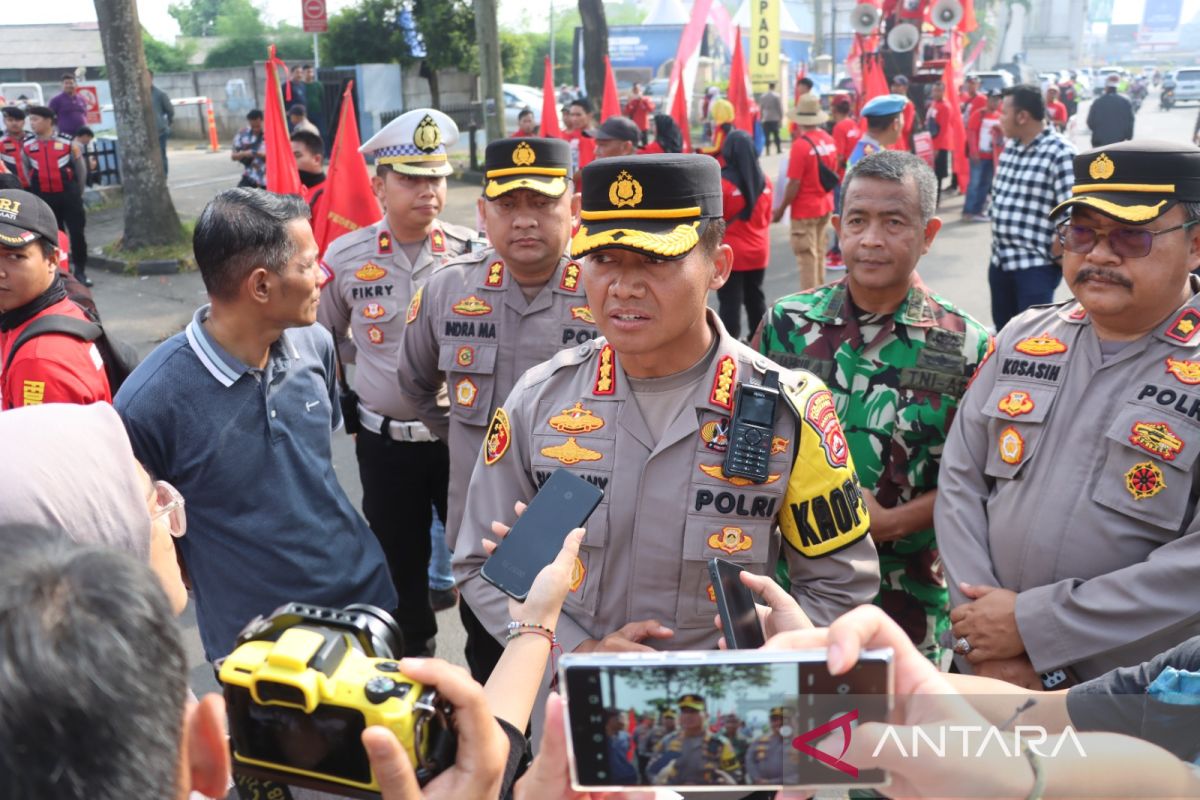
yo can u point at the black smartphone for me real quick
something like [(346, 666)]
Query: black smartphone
[(735, 604), (564, 503), (752, 429), (720, 719)]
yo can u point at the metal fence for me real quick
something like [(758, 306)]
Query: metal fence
[(104, 162)]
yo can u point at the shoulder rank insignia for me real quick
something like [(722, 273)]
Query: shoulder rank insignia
[(571, 452), (498, 437), (1144, 480), (465, 356), (730, 540), (1016, 403), (375, 334), (715, 435), (1183, 329), (1184, 371), (606, 376), (583, 313), (1012, 446), (1156, 438), (385, 243), (370, 272), (465, 392), (821, 414), (578, 573), (472, 307), (437, 241), (570, 277), (575, 419), (373, 311), (495, 275), (715, 471), (723, 382), (1044, 345), (414, 306)]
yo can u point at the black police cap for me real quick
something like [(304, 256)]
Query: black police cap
[(24, 217), (526, 162), (1136, 181), (657, 204)]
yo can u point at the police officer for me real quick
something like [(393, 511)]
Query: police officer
[(692, 756), (645, 415), (739, 743), (768, 753), (1066, 508), (663, 729), (375, 273), (488, 316), (885, 126), (56, 175)]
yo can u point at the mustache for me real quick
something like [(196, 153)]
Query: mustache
[(1087, 273)]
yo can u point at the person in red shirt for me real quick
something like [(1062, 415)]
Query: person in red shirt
[(846, 132), (937, 121), (971, 98), (54, 367), (525, 124), (747, 197), (1056, 112), (12, 144), (667, 137), (900, 86), (985, 139), (309, 151), (639, 108), (810, 203), (579, 136)]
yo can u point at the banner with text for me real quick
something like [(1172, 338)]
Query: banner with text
[(764, 43)]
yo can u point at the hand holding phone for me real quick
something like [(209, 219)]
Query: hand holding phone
[(735, 604), (544, 602)]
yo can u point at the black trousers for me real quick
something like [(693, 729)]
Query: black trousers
[(941, 168), (742, 289), (402, 482), (482, 650), (68, 210), (771, 130)]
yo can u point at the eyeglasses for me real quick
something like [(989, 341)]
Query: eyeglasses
[(1125, 242), (169, 502)]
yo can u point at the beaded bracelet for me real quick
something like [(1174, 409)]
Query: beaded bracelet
[(516, 628)]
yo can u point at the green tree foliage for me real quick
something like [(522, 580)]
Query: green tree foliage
[(447, 28), (237, 18), (516, 56), (713, 681), (366, 33), (241, 51), (162, 57)]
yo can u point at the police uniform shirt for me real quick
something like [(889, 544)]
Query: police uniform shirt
[(668, 506), (765, 759), (473, 324), (1072, 478), (371, 285)]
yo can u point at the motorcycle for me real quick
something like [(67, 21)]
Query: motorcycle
[(1166, 99)]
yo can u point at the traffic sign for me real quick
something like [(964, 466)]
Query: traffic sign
[(315, 19), (92, 100)]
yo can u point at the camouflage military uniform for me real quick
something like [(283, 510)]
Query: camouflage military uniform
[(897, 381)]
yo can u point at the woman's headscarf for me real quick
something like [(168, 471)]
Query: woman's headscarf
[(72, 467), (667, 134), (721, 111), (742, 169)]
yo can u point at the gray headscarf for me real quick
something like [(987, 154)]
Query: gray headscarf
[(72, 467)]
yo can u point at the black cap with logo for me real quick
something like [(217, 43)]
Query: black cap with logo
[(526, 162), (1136, 181), (24, 217)]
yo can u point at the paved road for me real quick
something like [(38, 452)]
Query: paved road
[(144, 311)]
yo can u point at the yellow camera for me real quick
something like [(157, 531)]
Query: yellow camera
[(302, 686)]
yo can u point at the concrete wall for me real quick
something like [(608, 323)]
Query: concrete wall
[(457, 88)]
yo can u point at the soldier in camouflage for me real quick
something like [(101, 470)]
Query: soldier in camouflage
[(897, 358)]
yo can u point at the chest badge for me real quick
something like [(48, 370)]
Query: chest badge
[(583, 313), (730, 540), (373, 311), (722, 388), (715, 471), (495, 275), (370, 272), (571, 452), (437, 241), (606, 379), (498, 438), (1185, 371), (1016, 403), (1044, 345), (472, 307), (1012, 446), (465, 393), (1144, 480), (375, 334), (779, 445), (1184, 328), (570, 277), (1156, 438), (821, 413), (414, 307), (465, 356), (578, 573), (575, 419), (715, 434)]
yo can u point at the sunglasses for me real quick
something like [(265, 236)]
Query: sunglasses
[(169, 502), (1125, 242)]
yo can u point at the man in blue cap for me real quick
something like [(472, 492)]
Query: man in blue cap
[(884, 125)]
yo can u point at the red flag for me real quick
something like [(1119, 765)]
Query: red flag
[(743, 119), (550, 126), (282, 175), (632, 726), (968, 22), (611, 106), (874, 81), (958, 137), (679, 113), (348, 203)]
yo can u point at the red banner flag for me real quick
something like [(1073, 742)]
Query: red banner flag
[(348, 202), (679, 112), (968, 23), (282, 175), (611, 106), (739, 95), (550, 127), (958, 136)]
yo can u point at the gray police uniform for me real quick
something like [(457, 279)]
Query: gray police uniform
[(765, 759), (1071, 477), (668, 506), (474, 329)]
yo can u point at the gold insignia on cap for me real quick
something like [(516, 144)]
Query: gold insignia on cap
[(427, 136), (625, 191), (523, 155), (1101, 168)]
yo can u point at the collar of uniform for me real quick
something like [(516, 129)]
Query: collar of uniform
[(1182, 328), (830, 303), (918, 309), (220, 364), (717, 389), (1073, 313)]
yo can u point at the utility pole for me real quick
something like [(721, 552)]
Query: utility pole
[(552, 65), (818, 45), (487, 33), (833, 60)]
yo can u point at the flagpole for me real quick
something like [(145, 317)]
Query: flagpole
[(552, 36)]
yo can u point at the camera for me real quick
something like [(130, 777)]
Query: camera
[(303, 684)]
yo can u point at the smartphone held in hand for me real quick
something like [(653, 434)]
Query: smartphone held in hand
[(735, 604)]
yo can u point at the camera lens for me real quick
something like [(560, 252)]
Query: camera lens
[(568, 495), (387, 641)]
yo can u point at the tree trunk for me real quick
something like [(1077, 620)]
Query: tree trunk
[(595, 47), (435, 91), (150, 217), (487, 34)]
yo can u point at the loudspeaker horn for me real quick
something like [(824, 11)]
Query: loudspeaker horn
[(864, 19), (903, 37), (946, 14)]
